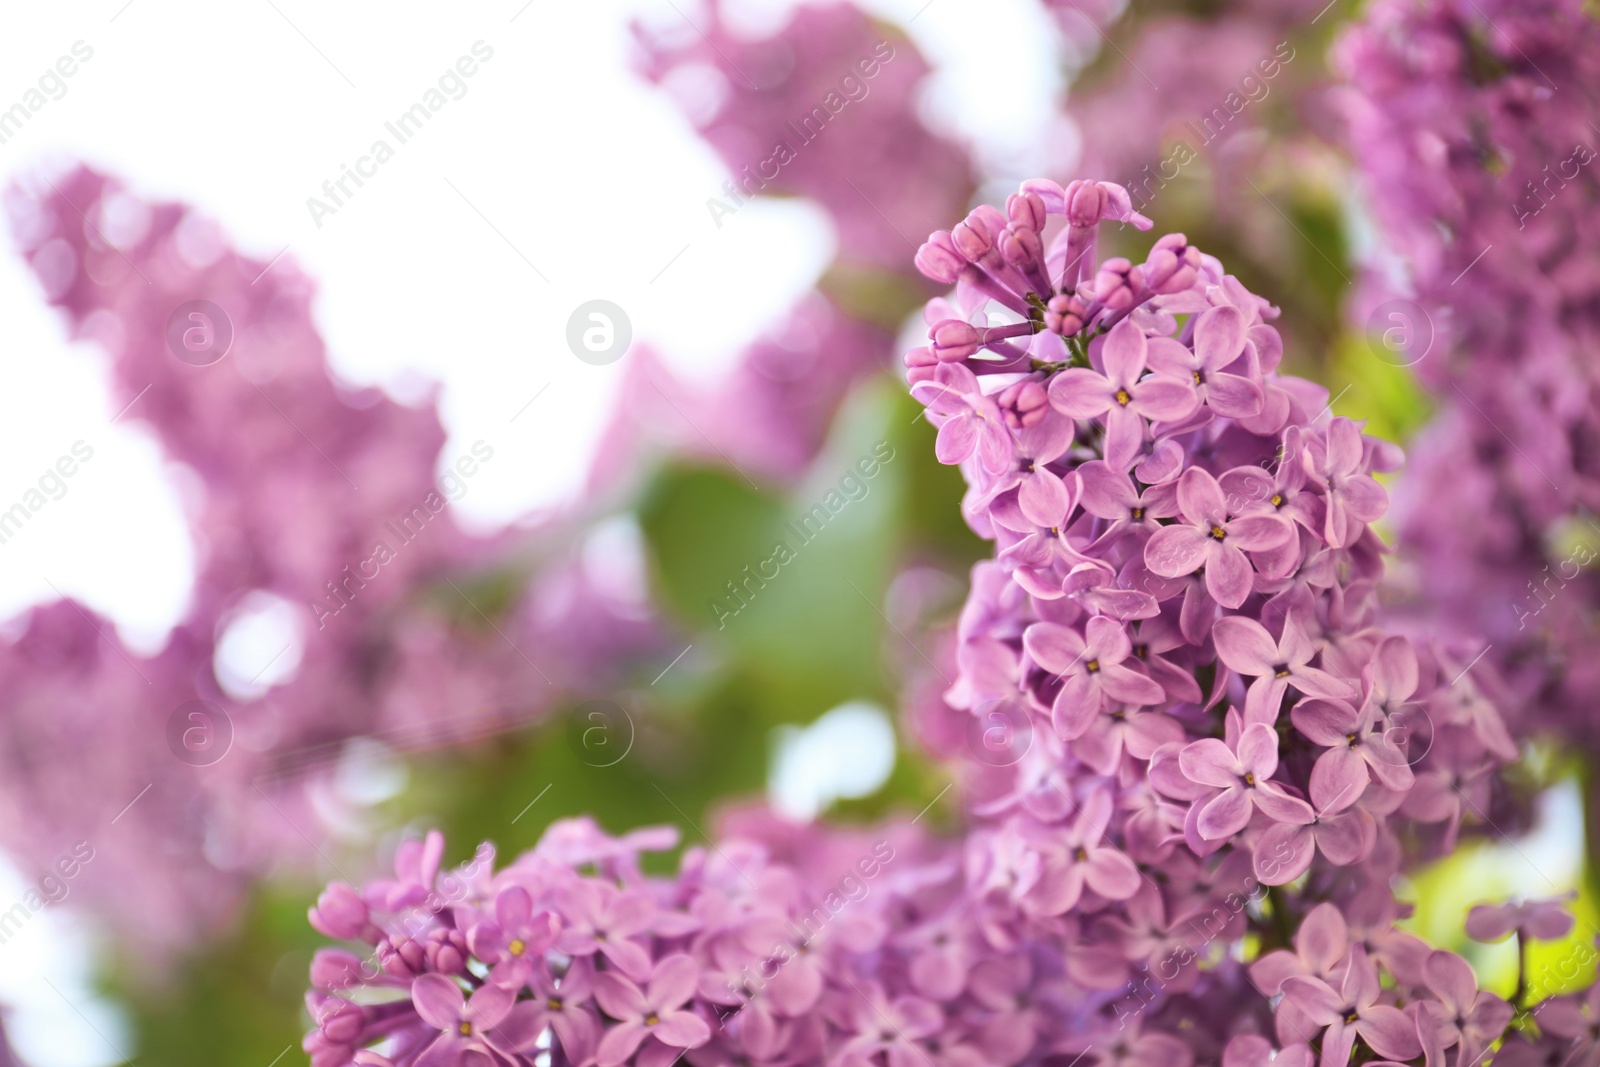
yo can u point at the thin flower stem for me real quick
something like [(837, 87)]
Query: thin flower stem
[(1589, 784), (1521, 994)]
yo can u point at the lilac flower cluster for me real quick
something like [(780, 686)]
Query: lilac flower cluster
[(1473, 127), (1197, 762), (1180, 689), (747, 955)]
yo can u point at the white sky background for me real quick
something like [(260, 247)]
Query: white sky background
[(592, 175)]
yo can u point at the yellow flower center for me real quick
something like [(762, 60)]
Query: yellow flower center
[(1093, 665), (1218, 532), (517, 947), (1123, 398), (465, 1028)]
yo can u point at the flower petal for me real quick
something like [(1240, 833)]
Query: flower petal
[(673, 981), (1174, 551), (438, 1000), (1338, 778), (1229, 577), (1123, 353), (620, 1042), (1245, 646), (1233, 397), (1390, 1032), (1163, 399), (1209, 762), (1219, 337), (1283, 853), (618, 996), (1200, 498), (1225, 815), (1054, 647), (1081, 393), (1315, 999), (682, 1029), (1327, 722)]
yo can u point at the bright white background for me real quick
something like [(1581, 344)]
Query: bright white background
[(246, 108)]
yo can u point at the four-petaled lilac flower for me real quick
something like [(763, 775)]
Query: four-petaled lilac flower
[(1359, 749), (1078, 856), (892, 1027), (655, 1011), (1042, 496), (1210, 537), (1121, 393), (1320, 945), (516, 937), (1092, 670), (1002, 985), (970, 423), (1353, 497), (1542, 920), (1128, 1046), (604, 920), (1354, 1010), (1284, 851), (1253, 1050), (1110, 494), (1462, 1016), (1242, 772), (1246, 648), (1576, 1019), (565, 1008), (1219, 337), (467, 1027)]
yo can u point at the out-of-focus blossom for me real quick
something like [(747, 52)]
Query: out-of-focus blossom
[(321, 497), (1472, 128)]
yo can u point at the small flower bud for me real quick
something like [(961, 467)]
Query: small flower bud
[(954, 340), (1064, 315), (1024, 404), (1118, 283), (340, 913), (938, 259)]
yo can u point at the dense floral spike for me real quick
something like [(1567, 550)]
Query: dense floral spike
[(1196, 762), (1473, 126), (1179, 693)]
